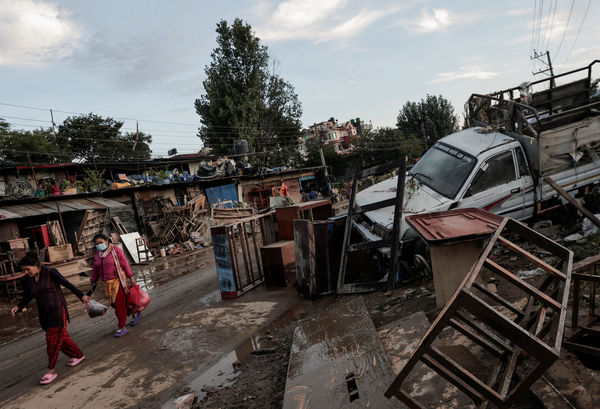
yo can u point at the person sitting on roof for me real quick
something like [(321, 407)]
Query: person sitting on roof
[(54, 189), (313, 194), (39, 193)]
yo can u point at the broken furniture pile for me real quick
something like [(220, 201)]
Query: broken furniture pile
[(187, 227), (261, 248), (490, 344), (515, 341)]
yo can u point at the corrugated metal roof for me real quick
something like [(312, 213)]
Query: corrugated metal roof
[(106, 202), (49, 207)]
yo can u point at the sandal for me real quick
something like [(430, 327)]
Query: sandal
[(121, 332), (136, 319), (48, 378), (75, 361)]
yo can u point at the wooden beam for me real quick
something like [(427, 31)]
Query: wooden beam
[(571, 200)]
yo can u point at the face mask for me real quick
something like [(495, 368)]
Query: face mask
[(101, 246)]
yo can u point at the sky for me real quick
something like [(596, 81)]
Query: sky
[(142, 61)]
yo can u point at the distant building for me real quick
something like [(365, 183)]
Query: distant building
[(341, 136)]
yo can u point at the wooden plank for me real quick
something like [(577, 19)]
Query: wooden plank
[(586, 263), (571, 200), (370, 245), (374, 206)]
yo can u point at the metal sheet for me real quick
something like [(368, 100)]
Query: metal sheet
[(454, 225), (106, 202)]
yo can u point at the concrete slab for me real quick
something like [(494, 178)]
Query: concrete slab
[(337, 361)]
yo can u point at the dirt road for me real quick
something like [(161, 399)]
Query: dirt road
[(186, 329)]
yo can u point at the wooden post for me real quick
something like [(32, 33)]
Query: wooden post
[(62, 225)]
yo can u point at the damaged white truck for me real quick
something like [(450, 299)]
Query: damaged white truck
[(515, 139)]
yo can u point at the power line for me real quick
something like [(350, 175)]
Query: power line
[(196, 125), (578, 31), (551, 25), (565, 30), (533, 26), (539, 29)]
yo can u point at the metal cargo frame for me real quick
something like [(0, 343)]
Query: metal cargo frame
[(524, 341)]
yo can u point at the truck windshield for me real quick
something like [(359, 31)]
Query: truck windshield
[(444, 169)]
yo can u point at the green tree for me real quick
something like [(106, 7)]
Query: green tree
[(430, 119), (244, 100), (94, 138), (386, 144), (36, 146)]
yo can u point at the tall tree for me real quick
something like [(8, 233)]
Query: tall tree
[(386, 144), (430, 119), (244, 100), (94, 138), (36, 146)]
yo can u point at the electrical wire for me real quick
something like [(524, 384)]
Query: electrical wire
[(551, 25), (533, 27), (565, 30), (578, 31)]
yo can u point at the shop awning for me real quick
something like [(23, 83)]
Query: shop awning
[(52, 206)]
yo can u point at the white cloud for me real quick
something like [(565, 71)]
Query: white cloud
[(295, 14), (296, 19), (466, 72), (318, 20), (439, 19), (32, 33), (353, 26)]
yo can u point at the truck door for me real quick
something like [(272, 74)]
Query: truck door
[(496, 187)]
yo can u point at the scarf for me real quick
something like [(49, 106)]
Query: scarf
[(110, 250)]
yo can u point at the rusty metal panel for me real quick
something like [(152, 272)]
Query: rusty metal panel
[(337, 361), (523, 339), (454, 225)]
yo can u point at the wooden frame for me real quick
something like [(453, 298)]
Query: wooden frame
[(237, 254), (587, 270), (525, 341), (393, 241)]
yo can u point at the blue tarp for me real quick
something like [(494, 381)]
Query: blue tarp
[(222, 193)]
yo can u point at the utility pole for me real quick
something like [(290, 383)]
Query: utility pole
[(322, 158), (547, 63), (32, 171)]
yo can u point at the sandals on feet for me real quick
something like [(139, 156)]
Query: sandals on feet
[(75, 361), (136, 319), (121, 332), (48, 378)]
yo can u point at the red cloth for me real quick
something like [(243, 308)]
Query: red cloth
[(58, 339), (120, 306), (104, 269), (55, 190)]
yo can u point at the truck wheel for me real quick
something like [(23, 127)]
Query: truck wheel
[(421, 267)]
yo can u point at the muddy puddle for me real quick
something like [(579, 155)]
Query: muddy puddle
[(147, 276), (225, 372)]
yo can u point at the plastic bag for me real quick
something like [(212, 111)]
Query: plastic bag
[(137, 300), (95, 309), (144, 300)]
